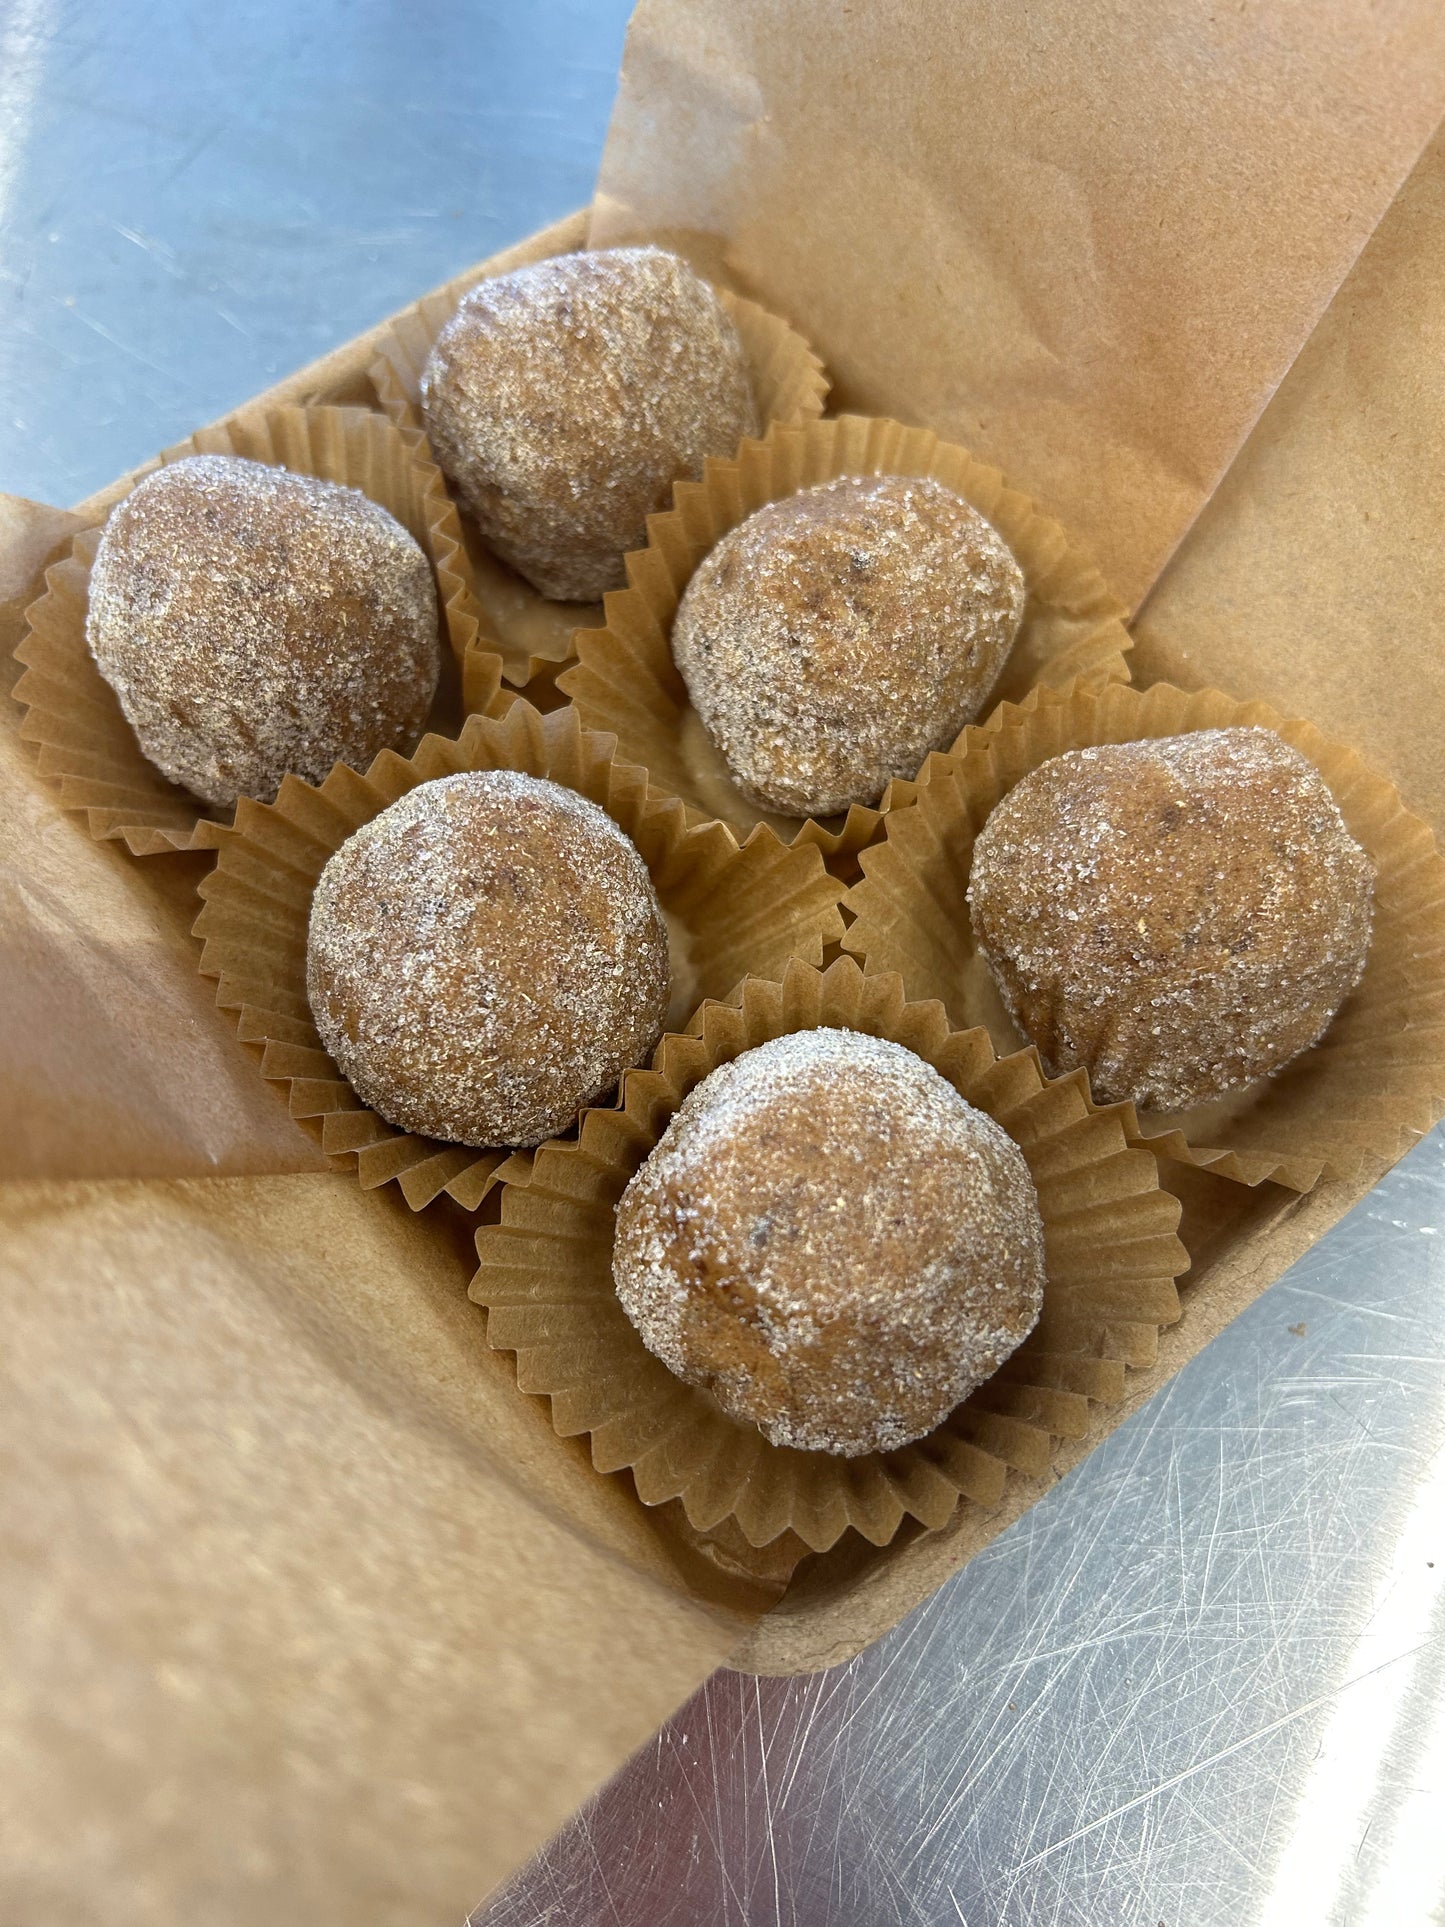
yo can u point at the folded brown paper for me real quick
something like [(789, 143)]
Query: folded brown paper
[(1084, 242), (1315, 578), (535, 633), (732, 909), (85, 743), (625, 680), (1112, 1253), (1347, 1108), (306, 1619)]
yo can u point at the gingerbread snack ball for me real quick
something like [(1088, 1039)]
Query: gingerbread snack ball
[(1180, 916), (566, 398), (833, 1242), (835, 637), (486, 957), (254, 623)]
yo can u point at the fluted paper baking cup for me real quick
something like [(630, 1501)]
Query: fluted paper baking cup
[(625, 679), (536, 635), (85, 743), (731, 909), (1348, 1107), (1112, 1254)]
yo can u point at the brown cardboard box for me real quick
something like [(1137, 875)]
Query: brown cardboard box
[(314, 1617)]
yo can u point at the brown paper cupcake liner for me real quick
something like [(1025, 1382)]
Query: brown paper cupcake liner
[(85, 743), (1112, 1258), (1348, 1107), (731, 909), (625, 680), (536, 634)]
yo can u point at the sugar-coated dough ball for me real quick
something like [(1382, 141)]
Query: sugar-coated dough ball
[(1179, 916), (486, 957), (256, 623), (833, 1242), (835, 637), (566, 398)]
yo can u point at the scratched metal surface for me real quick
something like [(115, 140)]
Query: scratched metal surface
[(1203, 1682)]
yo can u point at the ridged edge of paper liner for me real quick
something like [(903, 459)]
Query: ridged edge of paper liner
[(84, 742), (741, 908), (1113, 1254), (1349, 1107), (536, 635), (625, 679)]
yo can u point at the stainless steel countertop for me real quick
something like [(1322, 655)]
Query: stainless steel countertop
[(1204, 1681)]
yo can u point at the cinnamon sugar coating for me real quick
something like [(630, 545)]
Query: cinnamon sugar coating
[(833, 1242), (1179, 916), (835, 637), (566, 398), (254, 623), (486, 957)]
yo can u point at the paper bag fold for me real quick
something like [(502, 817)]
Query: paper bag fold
[(1085, 243)]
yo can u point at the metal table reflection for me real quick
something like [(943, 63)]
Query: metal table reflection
[(1204, 1681)]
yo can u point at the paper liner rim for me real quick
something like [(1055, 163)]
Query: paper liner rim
[(60, 683), (395, 375), (256, 903), (1402, 845), (1113, 1262), (1063, 583)]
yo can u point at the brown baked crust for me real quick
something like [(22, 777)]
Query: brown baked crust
[(835, 637), (566, 398), (833, 1242), (254, 623), (1180, 916), (486, 957)]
